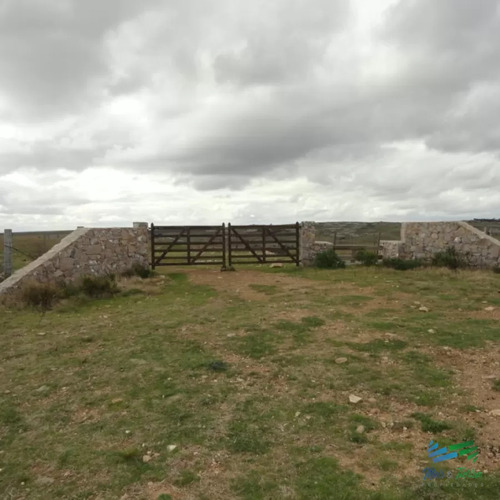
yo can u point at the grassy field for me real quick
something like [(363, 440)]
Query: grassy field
[(199, 384)]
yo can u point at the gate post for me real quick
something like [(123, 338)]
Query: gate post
[(223, 268), (152, 246), (229, 249)]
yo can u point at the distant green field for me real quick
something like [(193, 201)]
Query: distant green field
[(357, 232)]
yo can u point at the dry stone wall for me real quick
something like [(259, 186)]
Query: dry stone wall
[(390, 249), (307, 240), (85, 252), (421, 240)]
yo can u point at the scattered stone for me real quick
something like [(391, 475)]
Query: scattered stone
[(231, 335), (372, 400), (43, 388), (423, 309), (147, 458), (171, 447), (297, 414), (137, 361), (496, 413), (340, 361), (360, 429), (430, 330), (117, 400), (354, 399), (41, 334), (276, 264), (127, 432), (489, 308), (44, 480)]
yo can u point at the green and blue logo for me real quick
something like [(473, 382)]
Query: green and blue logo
[(453, 451), (442, 454)]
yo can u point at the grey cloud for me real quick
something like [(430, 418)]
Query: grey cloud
[(52, 56), (284, 50), (448, 50)]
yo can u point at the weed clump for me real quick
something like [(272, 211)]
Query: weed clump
[(366, 257), (402, 264), (138, 270), (428, 424), (449, 258), (328, 259), (41, 296), (99, 286)]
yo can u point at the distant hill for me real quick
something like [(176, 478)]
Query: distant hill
[(358, 232)]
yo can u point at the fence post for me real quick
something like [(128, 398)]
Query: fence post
[(7, 252), (152, 241)]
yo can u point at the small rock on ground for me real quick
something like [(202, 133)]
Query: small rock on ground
[(354, 399), (44, 480)]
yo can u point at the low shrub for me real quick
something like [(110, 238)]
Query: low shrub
[(67, 289), (328, 259), (449, 258), (138, 270), (496, 270), (402, 264), (99, 286), (39, 295), (366, 257)]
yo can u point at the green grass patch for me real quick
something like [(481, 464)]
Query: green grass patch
[(428, 424)]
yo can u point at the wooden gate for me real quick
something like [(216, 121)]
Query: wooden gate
[(263, 244), (188, 245)]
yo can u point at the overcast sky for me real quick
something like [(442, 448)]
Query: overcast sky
[(204, 111)]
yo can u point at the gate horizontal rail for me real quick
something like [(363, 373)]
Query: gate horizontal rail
[(188, 245), (221, 245)]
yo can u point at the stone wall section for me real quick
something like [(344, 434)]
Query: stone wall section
[(85, 251), (390, 249), (307, 240), (421, 240)]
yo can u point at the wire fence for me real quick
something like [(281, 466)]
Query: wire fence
[(27, 247)]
